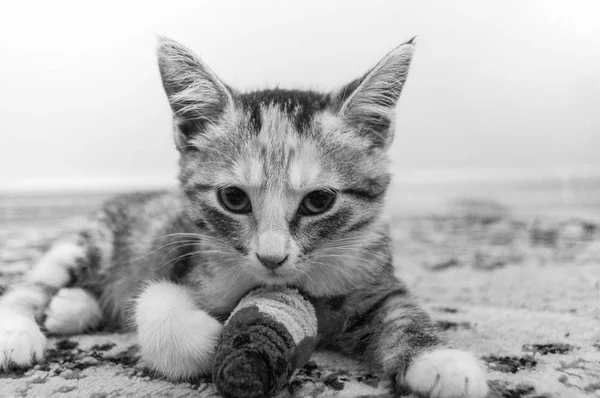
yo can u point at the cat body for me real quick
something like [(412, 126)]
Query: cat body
[(277, 187)]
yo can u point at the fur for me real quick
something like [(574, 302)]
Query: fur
[(71, 311), (167, 316), (173, 265)]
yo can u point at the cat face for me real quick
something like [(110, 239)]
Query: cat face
[(291, 183)]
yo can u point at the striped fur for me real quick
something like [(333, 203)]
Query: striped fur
[(277, 146)]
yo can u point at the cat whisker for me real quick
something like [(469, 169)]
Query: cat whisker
[(350, 257), (201, 238), (176, 248), (178, 258), (368, 262), (196, 253), (187, 234), (337, 270), (306, 274), (191, 234), (159, 248)]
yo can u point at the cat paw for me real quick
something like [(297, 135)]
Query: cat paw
[(176, 338), (72, 311), (447, 373), (21, 341)]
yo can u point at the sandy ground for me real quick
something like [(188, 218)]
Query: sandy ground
[(522, 292)]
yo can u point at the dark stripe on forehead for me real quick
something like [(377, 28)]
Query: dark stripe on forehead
[(300, 106)]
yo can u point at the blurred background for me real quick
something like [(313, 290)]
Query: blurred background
[(502, 103)]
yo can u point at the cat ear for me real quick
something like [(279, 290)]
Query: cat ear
[(368, 104), (196, 95)]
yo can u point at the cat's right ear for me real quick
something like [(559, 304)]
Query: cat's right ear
[(197, 96)]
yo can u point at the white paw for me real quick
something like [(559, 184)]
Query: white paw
[(21, 341), (72, 311), (447, 373), (175, 337)]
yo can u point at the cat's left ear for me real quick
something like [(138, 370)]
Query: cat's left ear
[(368, 104), (196, 95)]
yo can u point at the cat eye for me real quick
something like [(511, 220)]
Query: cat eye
[(235, 200), (317, 202)]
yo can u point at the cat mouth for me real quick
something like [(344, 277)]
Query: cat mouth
[(274, 277)]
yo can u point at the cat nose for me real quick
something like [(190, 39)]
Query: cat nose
[(272, 249), (272, 262)]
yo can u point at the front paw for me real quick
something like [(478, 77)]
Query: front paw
[(21, 341), (446, 373), (72, 311), (176, 339)]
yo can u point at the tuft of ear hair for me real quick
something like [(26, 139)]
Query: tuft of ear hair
[(368, 104), (196, 95)]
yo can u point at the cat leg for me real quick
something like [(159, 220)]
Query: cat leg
[(409, 349), (390, 331), (176, 338), (22, 307)]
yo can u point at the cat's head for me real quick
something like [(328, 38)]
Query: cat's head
[(290, 183)]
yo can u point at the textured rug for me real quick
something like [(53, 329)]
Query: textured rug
[(522, 292)]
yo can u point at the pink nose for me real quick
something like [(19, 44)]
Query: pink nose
[(272, 262)]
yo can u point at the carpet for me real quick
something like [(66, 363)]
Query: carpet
[(521, 292)]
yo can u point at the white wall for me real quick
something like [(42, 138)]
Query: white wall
[(494, 85)]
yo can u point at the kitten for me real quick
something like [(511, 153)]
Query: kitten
[(277, 187)]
